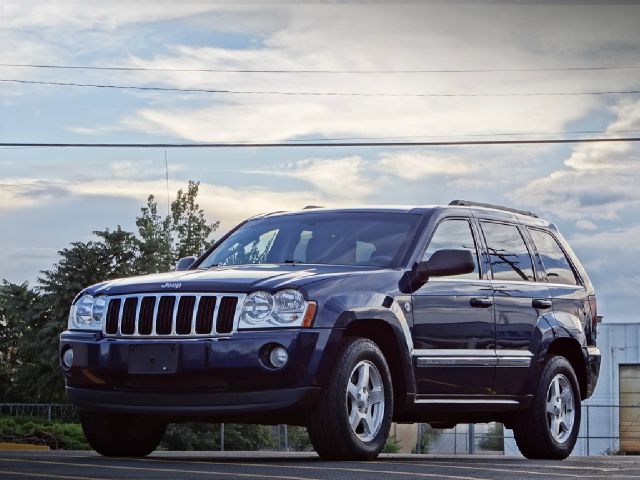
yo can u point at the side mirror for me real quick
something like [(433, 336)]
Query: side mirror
[(185, 263), (444, 263)]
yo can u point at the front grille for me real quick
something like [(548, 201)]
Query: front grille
[(172, 315)]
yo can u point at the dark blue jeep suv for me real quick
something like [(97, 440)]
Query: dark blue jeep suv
[(345, 320)]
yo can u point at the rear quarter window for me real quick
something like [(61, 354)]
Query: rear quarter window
[(555, 261)]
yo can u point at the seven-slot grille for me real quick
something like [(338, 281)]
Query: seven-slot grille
[(168, 315)]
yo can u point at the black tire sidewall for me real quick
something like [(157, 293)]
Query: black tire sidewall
[(531, 429), (561, 366), (121, 435), (359, 350)]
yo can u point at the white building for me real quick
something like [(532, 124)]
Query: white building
[(611, 417)]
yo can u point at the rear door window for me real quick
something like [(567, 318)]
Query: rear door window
[(555, 262), (508, 253)]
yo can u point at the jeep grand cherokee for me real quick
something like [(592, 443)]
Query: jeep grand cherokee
[(345, 320)]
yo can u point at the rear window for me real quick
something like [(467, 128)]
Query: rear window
[(508, 253), (555, 262)]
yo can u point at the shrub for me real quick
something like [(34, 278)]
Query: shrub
[(392, 445), (494, 439), (37, 431), (206, 436)]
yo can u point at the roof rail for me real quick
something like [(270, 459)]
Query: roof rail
[(468, 203), (265, 214), (309, 207)]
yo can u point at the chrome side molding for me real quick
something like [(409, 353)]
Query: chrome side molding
[(472, 358)]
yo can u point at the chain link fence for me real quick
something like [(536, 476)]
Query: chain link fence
[(605, 430)]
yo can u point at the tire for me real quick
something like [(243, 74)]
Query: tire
[(549, 428), (121, 435), (349, 393)]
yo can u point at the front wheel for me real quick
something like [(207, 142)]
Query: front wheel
[(352, 417), (122, 435), (549, 428)]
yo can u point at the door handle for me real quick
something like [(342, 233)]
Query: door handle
[(541, 303), (481, 302)]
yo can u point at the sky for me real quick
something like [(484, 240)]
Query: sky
[(51, 197)]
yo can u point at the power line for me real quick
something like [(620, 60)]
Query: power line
[(385, 138), (322, 71), (321, 94), (319, 144)]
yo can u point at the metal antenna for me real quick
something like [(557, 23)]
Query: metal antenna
[(166, 168)]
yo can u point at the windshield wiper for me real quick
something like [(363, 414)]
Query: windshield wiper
[(292, 262)]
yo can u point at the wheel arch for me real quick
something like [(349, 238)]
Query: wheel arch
[(389, 336), (570, 349)]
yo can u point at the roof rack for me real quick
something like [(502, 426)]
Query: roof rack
[(467, 203), (309, 207)]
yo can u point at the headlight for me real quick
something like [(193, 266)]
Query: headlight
[(258, 306), (285, 308), (87, 313)]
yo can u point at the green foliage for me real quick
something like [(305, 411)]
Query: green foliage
[(189, 225), (494, 439), (155, 254), (191, 436), (36, 431), (392, 445), (206, 436), (247, 437), (32, 319), (23, 316), (428, 436), (298, 439)]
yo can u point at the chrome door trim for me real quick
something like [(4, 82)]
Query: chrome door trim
[(520, 361), (472, 358), (457, 362), (445, 401)]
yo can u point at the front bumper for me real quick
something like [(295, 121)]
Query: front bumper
[(213, 377), (210, 405)]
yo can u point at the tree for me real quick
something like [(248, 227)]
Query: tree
[(163, 241), (189, 224), (154, 241), (17, 302)]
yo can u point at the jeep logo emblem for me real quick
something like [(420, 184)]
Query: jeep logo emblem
[(171, 285)]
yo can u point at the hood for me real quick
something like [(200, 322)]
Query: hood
[(237, 279)]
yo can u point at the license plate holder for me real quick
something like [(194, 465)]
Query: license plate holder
[(154, 358)]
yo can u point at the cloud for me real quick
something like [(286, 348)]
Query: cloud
[(29, 192), (341, 178), (418, 165), (611, 258), (599, 181), (586, 225), (139, 169), (230, 205), (391, 37), (94, 14)]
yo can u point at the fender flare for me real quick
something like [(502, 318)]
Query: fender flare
[(401, 333)]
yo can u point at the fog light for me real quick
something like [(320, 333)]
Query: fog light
[(67, 358), (279, 357)]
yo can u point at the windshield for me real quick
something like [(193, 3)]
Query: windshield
[(361, 238)]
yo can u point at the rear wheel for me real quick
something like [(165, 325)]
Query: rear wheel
[(549, 428), (122, 435), (352, 417)]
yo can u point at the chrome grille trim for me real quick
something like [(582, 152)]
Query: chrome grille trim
[(194, 315), (192, 333)]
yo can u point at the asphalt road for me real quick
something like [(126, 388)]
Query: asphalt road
[(278, 466)]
